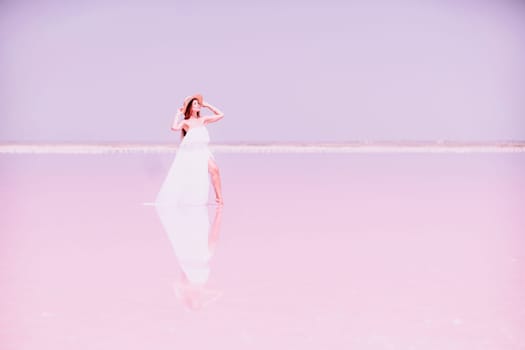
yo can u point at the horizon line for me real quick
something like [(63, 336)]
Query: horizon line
[(294, 147)]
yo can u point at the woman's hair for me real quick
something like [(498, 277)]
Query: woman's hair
[(187, 115)]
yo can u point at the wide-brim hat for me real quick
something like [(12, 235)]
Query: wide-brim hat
[(188, 99)]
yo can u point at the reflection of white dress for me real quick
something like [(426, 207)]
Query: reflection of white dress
[(188, 228), (187, 182)]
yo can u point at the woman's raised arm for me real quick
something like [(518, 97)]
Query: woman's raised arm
[(212, 118), (177, 125)]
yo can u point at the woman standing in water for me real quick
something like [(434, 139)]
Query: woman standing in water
[(187, 181)]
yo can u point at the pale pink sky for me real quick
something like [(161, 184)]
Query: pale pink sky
[(281, 71)]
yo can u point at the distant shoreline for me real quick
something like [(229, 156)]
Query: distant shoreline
[(350, 147)]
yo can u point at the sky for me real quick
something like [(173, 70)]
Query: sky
[(287, 71)]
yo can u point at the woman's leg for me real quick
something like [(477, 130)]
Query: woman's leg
[(213, 169)]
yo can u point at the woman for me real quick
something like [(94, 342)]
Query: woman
[(187, 181)]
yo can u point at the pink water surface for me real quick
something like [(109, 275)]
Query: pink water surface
[(356, 251)]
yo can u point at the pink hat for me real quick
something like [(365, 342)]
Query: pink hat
[(189, 98)]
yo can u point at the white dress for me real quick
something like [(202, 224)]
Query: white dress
[(187, 182)]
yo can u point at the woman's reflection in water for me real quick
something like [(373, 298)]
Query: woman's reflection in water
[(193, 240)]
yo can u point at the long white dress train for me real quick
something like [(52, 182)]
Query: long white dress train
[(187, 182)]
